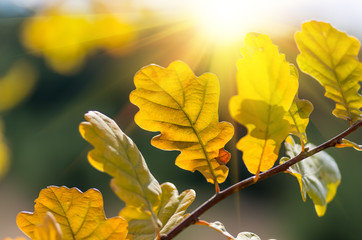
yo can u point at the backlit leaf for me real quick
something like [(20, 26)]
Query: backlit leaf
[(266, 89), (150, 208), (318, 176), (347, 143), (298, 117), (218, 226), (330, 56), (49, 229), (171, 211), (116, 154), (79, 215), (184, 108)]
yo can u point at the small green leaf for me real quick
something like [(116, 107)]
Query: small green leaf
[(173, 206), (330, 56), (247, 236), (171, 211), (318, 175), (218, 226)]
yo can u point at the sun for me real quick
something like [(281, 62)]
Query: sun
[(221, 20)]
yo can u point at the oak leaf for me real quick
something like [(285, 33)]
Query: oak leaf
[(298, 117), (79, 215), (266, 89), (318, 176), (116, 154), (170, 211), (151, 209), (184, 108), (217, 226), (49, 229), (247, 236), (347, 143), (330, 56)]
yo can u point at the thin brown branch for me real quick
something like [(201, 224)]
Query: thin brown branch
[(194, 216)]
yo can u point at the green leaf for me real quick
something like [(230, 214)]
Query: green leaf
[(318, 175), (151, 209), (116, 154), (184, 108), (266, 89), (247, 236), (79, 215), (330, 56), (218, 226), (171, 211)]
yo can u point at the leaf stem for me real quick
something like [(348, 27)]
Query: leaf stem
[(194, 216)]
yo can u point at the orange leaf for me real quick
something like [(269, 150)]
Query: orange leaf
[(80, 215)]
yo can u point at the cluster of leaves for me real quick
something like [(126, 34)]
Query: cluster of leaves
[(76, 34), (184, 109)]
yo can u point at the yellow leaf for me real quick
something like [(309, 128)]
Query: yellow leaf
[(184, 108), (150, 208), (113, 33), (318, 176), (66, 39), (49, 229), (63, 39), (330, 56), (17, 83), (80, 215), (298, 117), (266, 89), (347, 143)]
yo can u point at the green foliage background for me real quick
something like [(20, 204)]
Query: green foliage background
[(46, 148)]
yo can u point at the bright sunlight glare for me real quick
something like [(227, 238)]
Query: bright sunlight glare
[(228, 20)]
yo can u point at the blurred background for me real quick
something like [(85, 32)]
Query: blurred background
[(62, 58)]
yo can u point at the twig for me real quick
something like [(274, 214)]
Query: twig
[(194, 216)]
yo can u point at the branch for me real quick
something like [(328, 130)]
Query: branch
[(194, 216)]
